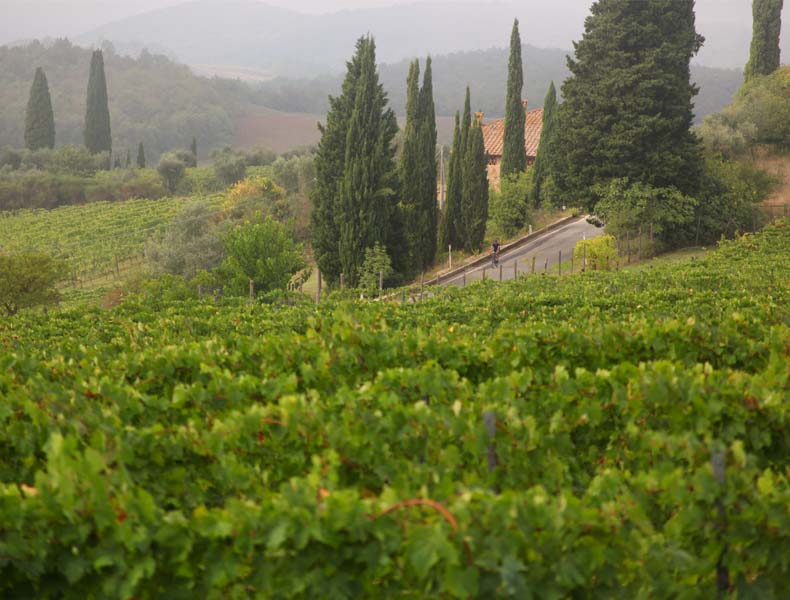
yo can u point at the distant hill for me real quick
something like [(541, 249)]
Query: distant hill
[(486, 72), (152, 99)]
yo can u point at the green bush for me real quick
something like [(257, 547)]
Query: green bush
[(508, 209), (600, 253)]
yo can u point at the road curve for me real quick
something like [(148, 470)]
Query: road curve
[(545, 248)]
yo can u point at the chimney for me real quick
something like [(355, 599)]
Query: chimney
[(479, 117), (524, 104)]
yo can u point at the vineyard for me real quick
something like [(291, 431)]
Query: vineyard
[(601, 435), (96, 239)]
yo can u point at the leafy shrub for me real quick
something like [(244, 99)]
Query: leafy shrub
[(263, 252), (229, 166), (376, 263), (642, 209), (171, 169), (508, 209), (28, 280), (599, 252)]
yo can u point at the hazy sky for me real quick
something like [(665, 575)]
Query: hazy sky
[(24, 19)]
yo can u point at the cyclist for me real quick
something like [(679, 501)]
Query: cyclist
[(495, 253)]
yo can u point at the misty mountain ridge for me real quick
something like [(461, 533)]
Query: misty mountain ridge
[(288, 43)]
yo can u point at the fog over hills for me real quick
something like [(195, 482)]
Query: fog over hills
[(286, 42)]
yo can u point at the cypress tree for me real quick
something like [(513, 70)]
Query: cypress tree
[(474, 193), (140, 156), (466, 120), (193, 148), (764, 54), (514, 153), (367, 201), (427, 170), (39, 120), (329, 165), (627, 109), (451, 221), (409, 166), (547, 141), (98, 137)]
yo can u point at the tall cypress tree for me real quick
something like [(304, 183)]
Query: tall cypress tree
[(98, 137), (409, 167), (474, 193), (466, 120), (547, 142), (140, 156), (766, 28), (427, 170), (514, 153), (627, 109), (39, 120), (367, 198), (329, 165), (451, 221)]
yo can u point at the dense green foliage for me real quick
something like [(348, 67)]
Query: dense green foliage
[(759, 114), (764, 54), (39, 119), (509, 208), (261, 252), (627, 107), (98, 133), (546, 150), (28, 280), (450, 232), (514, 154), (606, 434), (153, 99)]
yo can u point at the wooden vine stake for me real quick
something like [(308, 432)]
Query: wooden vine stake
[(489, 420)]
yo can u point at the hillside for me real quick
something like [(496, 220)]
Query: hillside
[(152, 99), (486, 72), (606, 434)]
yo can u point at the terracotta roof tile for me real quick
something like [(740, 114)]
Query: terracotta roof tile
[(494, 133)]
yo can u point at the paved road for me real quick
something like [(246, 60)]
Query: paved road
[(545, 249)]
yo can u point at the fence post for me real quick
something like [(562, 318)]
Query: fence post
[(464, 280), (559, 265), (484, 273), (533, 264), (530, 229), (500, 271), (318, 289), (381, 280), (584, 259), (515, 269), (252, 290), (546, 265), (450, 255)]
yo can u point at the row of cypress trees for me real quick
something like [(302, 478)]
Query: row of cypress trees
[(466, 211), (40, 120)]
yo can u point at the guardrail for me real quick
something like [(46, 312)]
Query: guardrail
[(485, 259)]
